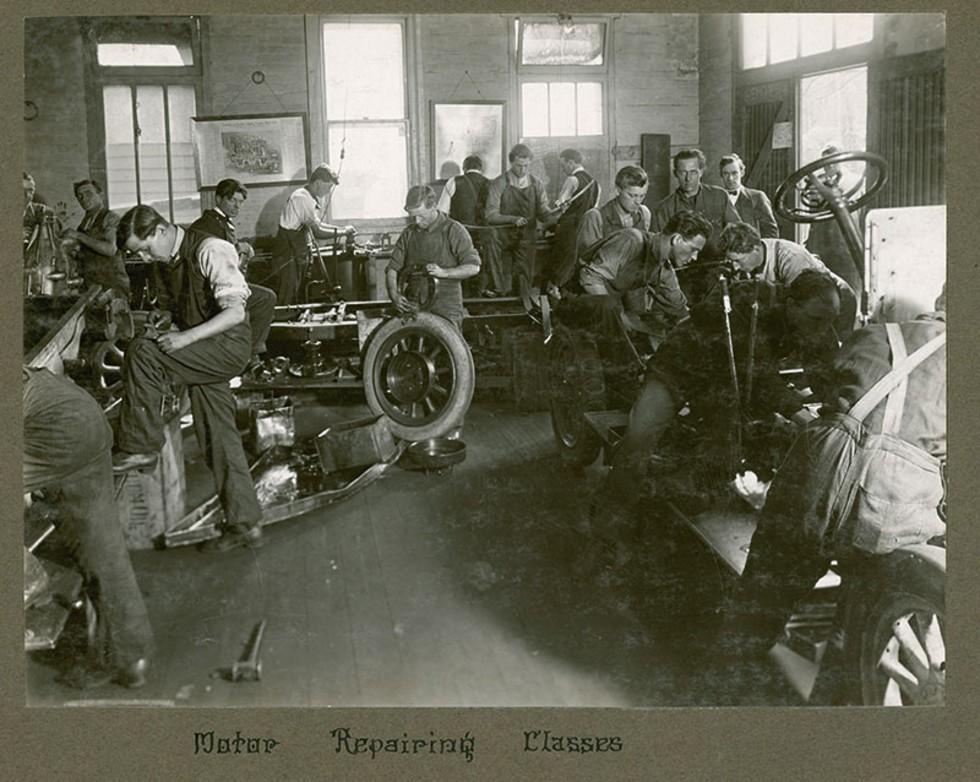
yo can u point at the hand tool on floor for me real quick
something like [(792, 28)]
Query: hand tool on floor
[(249, 667)]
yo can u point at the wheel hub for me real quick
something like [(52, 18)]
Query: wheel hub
[(409, 377)]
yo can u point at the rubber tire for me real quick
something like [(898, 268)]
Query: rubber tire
[(909, 579), (453, 413), (578, 444)]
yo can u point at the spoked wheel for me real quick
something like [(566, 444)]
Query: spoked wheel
[(904, 662), (577, 387), (420, 374), (901, 630), (107, 360)]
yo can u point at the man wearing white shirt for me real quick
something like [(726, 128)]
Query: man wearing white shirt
[(753, 206), (302, 213), (578, 194), (229, 196), (207, 294)]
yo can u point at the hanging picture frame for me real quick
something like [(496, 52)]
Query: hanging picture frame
[(255, 149), (464, 128)]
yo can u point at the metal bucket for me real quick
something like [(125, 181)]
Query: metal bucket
[(355, 444), (271, 423)]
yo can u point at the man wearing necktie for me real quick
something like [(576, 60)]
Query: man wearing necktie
[(229, 196)]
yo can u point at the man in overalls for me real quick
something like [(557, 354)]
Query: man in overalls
[(212, 346), (516, 201), (99, 261), (303, 212), (437, 246)]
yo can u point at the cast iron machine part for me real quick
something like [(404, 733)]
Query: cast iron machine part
[(45, 261), (821, 201)]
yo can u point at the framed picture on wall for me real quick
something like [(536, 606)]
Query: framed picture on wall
[(255, 149), (463, 129)]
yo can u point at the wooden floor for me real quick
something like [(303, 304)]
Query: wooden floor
[(424, 590)]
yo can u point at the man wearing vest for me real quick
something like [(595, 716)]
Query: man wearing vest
[(438, 246), (691, 194), (626, 210), (464, 199), (301, 215), (516, 201), (806, 520), (578, 194), (229, 196), (212, 346), (753, 206)]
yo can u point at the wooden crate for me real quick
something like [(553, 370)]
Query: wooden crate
[(152, 502)]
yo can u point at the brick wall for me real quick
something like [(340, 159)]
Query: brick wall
[(234, 48), (654, 89)]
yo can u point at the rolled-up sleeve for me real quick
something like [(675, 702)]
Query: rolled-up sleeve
[(461, 246), (542, 204), (218, 261), (589, 230), (494, 193), (446, 196), (568, 188), (397, 262), (107, 232)]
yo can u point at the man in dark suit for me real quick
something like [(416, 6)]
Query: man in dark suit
[(753, 206), (229, 196)]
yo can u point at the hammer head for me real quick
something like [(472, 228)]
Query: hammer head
[(246, 671)]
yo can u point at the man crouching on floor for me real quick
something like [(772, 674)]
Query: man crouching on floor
[(213, 345)]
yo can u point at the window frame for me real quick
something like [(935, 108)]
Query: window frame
[(565, 74), (99, 76), (319, 108), (859, 52), (606, 23)]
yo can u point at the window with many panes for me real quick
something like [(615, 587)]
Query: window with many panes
[(767, 39), (148, 72), (562, 67), (366, 116)]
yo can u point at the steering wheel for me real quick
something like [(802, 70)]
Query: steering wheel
[(814, 205)]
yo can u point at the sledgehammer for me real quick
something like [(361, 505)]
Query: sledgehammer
[(249, 667)]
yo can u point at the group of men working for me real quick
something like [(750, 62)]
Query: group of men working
[(221, 325), (620, 257), (712, 404)]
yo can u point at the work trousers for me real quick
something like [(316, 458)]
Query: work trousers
[(68, 447), (261, 309), (564, 258), (290, 257), (205, 367), (510, 256)]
